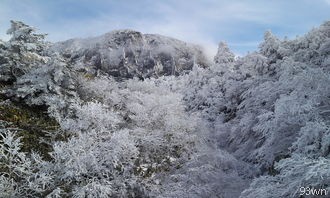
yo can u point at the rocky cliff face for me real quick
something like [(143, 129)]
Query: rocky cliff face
[(128, 53)]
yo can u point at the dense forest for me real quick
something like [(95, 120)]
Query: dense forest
[(128, 114)]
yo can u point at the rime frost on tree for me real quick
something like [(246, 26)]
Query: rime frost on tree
[(24, 51), (270, 46), (224, 55), (255, 126), (279, 108), (20, 174)]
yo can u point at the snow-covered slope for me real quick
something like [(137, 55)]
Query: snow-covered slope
[(128, 53), (256, 126)]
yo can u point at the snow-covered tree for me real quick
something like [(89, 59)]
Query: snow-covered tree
[(224, 55), (20, 173), (253, 126), (278, 108), (24, 51), (270, 47)]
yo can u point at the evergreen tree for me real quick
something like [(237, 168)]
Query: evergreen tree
[(24, 51)]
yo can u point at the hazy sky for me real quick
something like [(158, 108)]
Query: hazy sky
[(240, 23)]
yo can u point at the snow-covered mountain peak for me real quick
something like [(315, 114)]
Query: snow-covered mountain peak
[(128, 53)]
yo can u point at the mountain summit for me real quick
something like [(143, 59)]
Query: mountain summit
[(128, 53)]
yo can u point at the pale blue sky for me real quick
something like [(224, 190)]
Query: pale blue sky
[(240, 23)]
